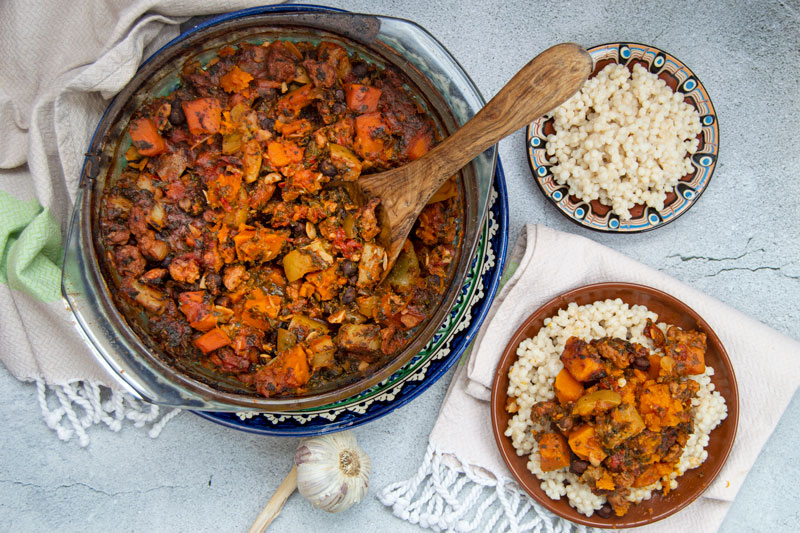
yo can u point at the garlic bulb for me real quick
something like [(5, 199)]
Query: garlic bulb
[(332, 471)]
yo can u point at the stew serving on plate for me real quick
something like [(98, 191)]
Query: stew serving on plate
[(228, 230)]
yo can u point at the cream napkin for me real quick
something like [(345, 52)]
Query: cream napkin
[(462, 447), (62, 63)]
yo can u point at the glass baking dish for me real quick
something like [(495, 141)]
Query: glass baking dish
[(437, 79)]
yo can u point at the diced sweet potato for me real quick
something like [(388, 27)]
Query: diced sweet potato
[(362, 98), (419, 145), (657, 406), (606, 482), (211, 340), (651, 474), (235, 80), (296, 361), (326, 282), (553, 452), (583, 363), (688, 349), (259, 308), (283, 153), (203, 115), (584, 443), (290, 104), (259, 245), (224, 191), (568, 389), (370, 133), (145, 137)]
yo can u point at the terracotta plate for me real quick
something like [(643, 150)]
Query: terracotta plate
[(693, 482), (596, 216)]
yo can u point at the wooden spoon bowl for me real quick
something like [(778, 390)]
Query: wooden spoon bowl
[(544, 83)]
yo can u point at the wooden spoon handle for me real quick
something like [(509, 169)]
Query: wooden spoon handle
[(540, 86)]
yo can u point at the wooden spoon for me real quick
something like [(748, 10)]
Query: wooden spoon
[(545, 82)]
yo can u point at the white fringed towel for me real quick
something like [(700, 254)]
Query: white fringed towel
[(463, 484)]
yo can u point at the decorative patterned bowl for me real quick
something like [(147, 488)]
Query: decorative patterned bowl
[(693, 482), (596, 216)]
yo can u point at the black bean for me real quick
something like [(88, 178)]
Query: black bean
[(578, 467), (353, 279), (348, 268), (359, 69), (267, 123), (338, 94), (298, 229), (224, 301), (338, 108), (604, 511), (176, 116), (348, 295), (642, 363), (327, 168)]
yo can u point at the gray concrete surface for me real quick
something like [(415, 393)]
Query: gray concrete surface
[(739, 244)]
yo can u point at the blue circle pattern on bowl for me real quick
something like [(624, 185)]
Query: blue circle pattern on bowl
[(595, 216), (424, 369)]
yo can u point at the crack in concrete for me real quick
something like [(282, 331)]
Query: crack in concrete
[(89, 487), (745, 253), (755, 269)]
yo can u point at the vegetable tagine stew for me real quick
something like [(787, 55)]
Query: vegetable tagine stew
[(228, 230), (622, 414)]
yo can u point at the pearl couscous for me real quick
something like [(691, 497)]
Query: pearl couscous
[(623, 139)]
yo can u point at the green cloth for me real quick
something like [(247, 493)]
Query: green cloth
[(30, 248)]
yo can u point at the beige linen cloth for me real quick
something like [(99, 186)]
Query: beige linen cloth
[(463, 484), (61, 64)]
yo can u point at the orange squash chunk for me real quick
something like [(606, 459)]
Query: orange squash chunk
[(236, 80), (657, 407), (259, 307), (145, 137), (362, 98), (585, 444), (583, 363), (419, 145), (203, 115), (568, 389), (211, 340), (370, 133), (688, 349), (553, 452)]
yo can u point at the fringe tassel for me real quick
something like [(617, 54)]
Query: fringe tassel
[(446, 494), (71, 409)]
